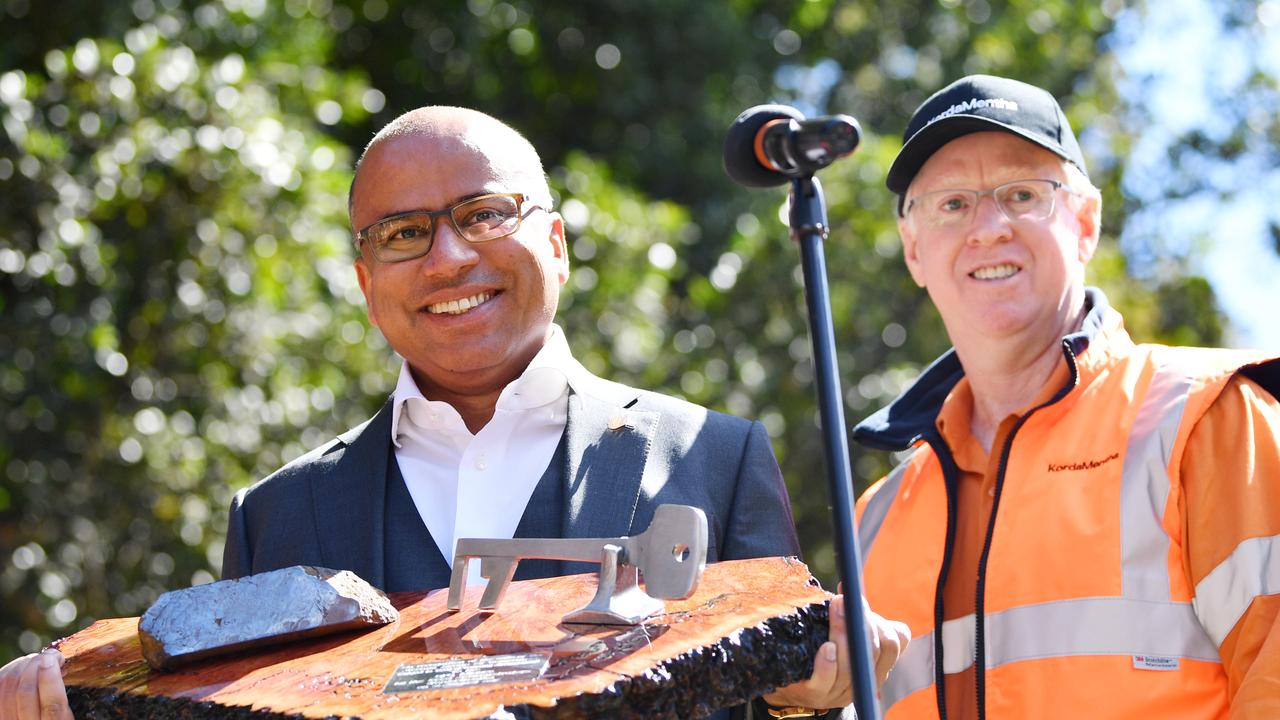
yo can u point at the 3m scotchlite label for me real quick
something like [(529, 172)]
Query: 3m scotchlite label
[(878, 507), (1224, 595), (1155, 662), (1144, 489), (1084, 626)]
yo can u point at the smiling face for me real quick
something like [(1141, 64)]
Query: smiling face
[(997, 280), (467, 317)]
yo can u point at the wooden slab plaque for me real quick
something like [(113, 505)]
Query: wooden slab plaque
[(751, 626)]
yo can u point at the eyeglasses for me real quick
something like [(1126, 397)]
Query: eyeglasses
[(479, 219), (1018, 201)]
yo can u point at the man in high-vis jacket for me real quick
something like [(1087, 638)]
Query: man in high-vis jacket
[(1086, 526)]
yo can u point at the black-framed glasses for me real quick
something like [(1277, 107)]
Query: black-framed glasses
[(410, 235), (1018, 201)]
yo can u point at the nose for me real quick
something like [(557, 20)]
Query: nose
[(989, 224), (450, 254)]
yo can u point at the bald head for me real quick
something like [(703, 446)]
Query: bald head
[(509, 154)]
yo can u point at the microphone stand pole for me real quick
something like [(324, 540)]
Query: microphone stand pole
[(809, 228)]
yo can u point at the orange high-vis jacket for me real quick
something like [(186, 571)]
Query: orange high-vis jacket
[(1083, 603)]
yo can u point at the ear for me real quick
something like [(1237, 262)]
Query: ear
[(911, 250), (1089, 217), (559, 246), (365, 277)]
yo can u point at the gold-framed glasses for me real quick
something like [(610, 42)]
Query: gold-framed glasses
[(410, 235), (1018, 201)]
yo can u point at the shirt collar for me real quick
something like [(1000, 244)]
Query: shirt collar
[(955, 426), (546, 380)]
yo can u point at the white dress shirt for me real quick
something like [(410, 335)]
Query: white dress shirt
[(478, 485)]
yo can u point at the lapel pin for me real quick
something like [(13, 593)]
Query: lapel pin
[(617, 422)]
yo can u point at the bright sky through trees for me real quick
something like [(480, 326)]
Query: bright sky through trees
[(1191, 68)]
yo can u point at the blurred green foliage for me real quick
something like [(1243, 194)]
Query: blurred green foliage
[(179, 312)]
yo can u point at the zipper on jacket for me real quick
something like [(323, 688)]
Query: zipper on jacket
[(950, 479), (979, 611)]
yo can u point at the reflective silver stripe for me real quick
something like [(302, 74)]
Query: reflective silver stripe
[(912, 672), (1097, 626), (1224, 595), (958, 643), (878, 507), (1084, 626), (1144, 489)]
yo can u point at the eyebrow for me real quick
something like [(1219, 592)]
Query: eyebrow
[(450, 203), (1017, 172)]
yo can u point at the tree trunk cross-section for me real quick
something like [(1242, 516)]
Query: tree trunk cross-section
[(751, 626)]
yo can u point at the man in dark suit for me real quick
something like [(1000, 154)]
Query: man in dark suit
[(494, 429), (467, 298)]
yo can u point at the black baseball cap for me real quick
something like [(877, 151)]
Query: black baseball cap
[(974, 104)]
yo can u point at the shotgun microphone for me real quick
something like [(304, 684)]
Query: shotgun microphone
[(771, 144)]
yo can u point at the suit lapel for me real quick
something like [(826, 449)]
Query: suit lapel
[(350, 503), (607, 447)]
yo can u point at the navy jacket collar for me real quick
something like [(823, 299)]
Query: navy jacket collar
[(911, 416)]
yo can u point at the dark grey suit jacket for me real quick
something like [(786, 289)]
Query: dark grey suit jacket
[(327, 507)]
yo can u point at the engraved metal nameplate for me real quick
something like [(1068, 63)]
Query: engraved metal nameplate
[(484, 670)]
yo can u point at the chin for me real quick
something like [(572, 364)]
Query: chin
[(476, 361), (1001, 322)]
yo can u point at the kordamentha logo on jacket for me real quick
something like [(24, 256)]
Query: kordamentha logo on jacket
[(1083, 464)]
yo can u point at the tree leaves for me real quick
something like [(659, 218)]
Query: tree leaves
[(180, 312)]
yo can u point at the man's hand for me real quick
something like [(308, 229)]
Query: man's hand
[(831, 684), (31, 688)]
